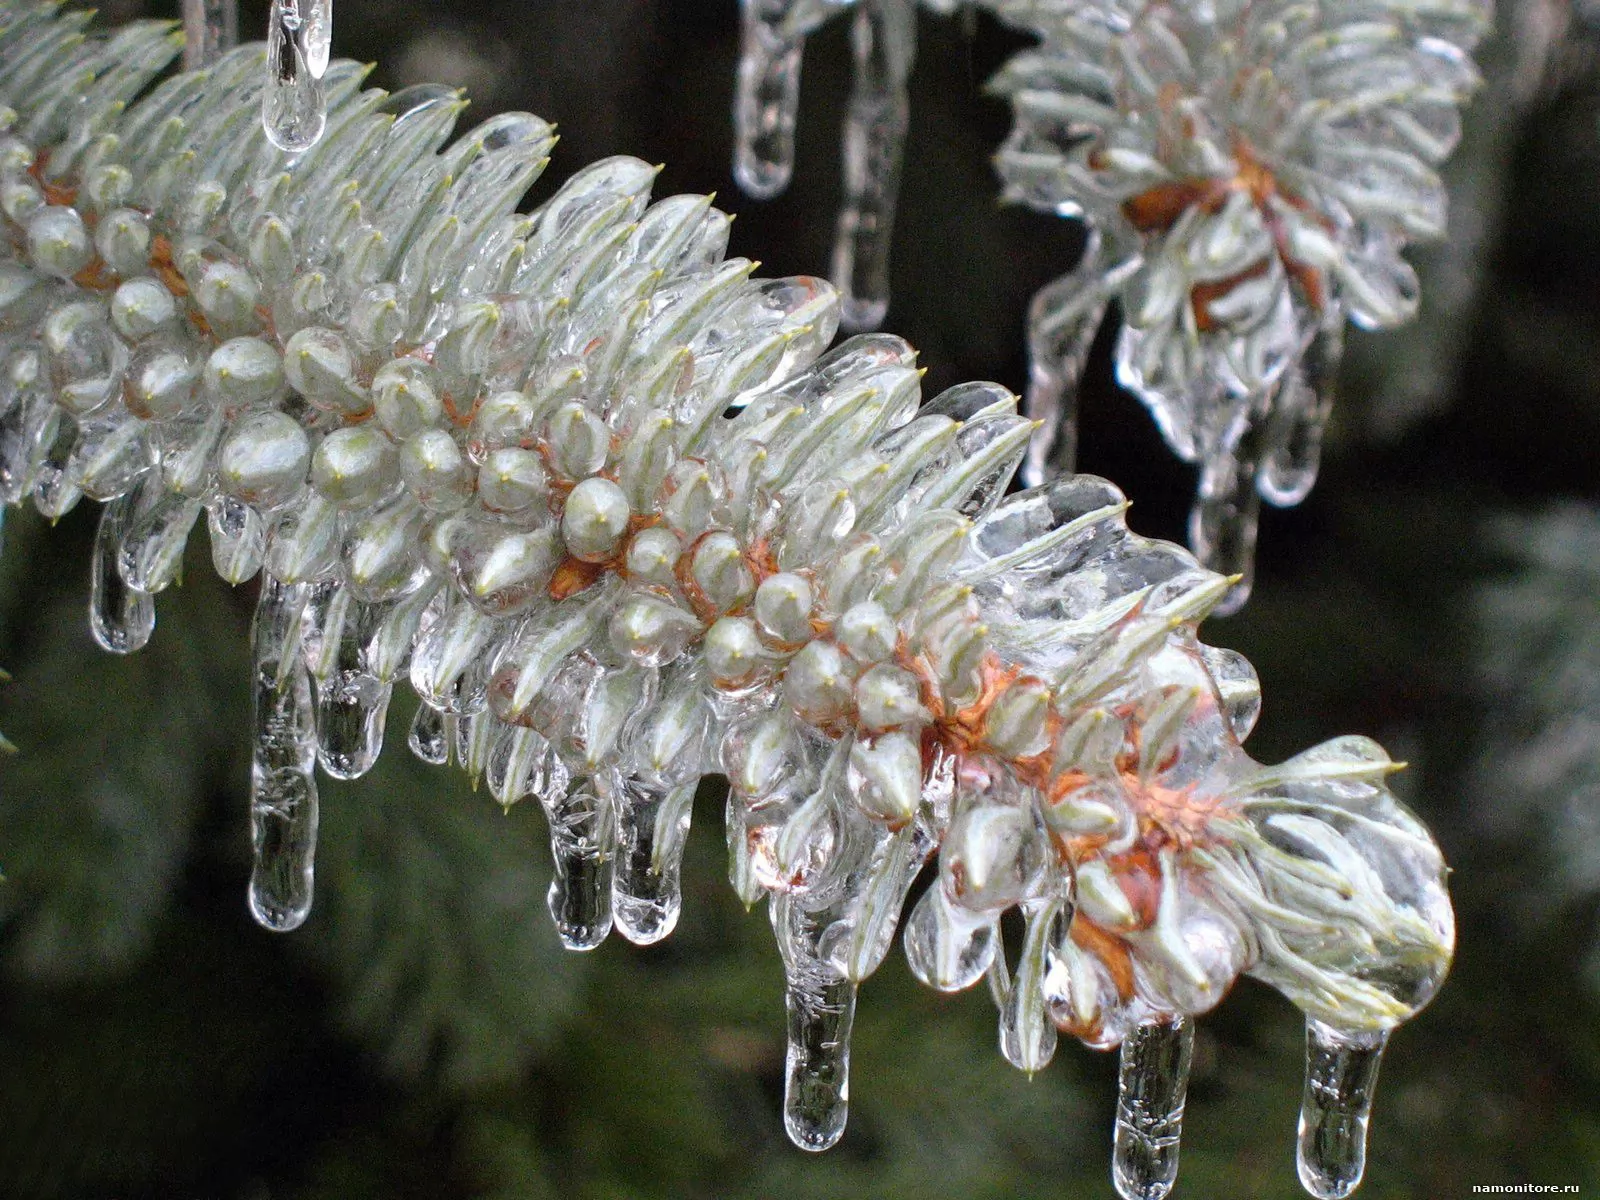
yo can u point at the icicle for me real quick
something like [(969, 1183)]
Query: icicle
[(55, 492), (1151, 1086), (431, 735), (209, 28), (1063, 318), (652, 825), (582, 844), (1027, 1035), (884, 41), (121, 619), (238, 538), (1341, 1075), (1227, 511), (352, 703), (294, 107), (821, 1005), (283, 788), (1294, 435), (768, 98), (151, 554)]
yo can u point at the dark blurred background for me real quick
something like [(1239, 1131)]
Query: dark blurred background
[(425, 1035)]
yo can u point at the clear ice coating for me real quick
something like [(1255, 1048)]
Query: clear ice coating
[(767, 100), (624, 518), (121, 618), (1341, 1076), (1249, 174), (1152, 1082), (767, 97), (210, 27), (294, 102), (283, 784)]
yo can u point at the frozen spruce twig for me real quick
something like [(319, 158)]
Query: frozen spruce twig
[(1249, 172), (617, 514)]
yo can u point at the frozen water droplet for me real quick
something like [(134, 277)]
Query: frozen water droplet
[(238, 538), (821, 1007), (768, 98), (209, 28), (884, 41), (1027, 1035), (1222, 524), (283, 788), (120, 618), (431, 736), (1294, 432), (1063, 319), (582, 844), (1341, 1076), (158, 530), (1151, 1086), (652, 825), (294, 105), (351, 702), (949, 948)]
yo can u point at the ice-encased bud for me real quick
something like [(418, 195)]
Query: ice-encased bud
[(435, 471), (651, 629), (319, 364), (594, 519), (818, 683), (59, 242), (243, 371), (354, 467), (783, 608), (513, 481), (263, 460), (405, 397), (867, 632), (653, 556), (718, 569), (734, 652), (885, 777), (991, 858), (140, 307), (160, 383)]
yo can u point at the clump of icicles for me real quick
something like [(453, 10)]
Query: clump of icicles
[(1249, 172), (622, 520)]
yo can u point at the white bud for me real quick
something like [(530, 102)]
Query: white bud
[(512, 481), (243, 371), (227, 294), (652, 629), (435, 471), (594, 520), (160, 383), (783, 608), (405, 396), (271, 249), (1101, 898), (123, 239), (319, 365), (867, 632), (653, 556), (817, 683), (734, 654), (888, 697), (690, 496), (263, 461), (991, 857), (1017, 724), (139, 307), (354, 467), (885, 777), (646, 458), (58, 241), (579, 441), (718, 569)]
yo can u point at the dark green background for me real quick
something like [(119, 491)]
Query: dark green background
[(425, 1035)]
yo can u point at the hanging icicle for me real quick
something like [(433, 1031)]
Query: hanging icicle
[(294, 102), (1249, 173), (623, 520), (210, 28)]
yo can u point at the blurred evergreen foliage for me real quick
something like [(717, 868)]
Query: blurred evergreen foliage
[(425, 1036)]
